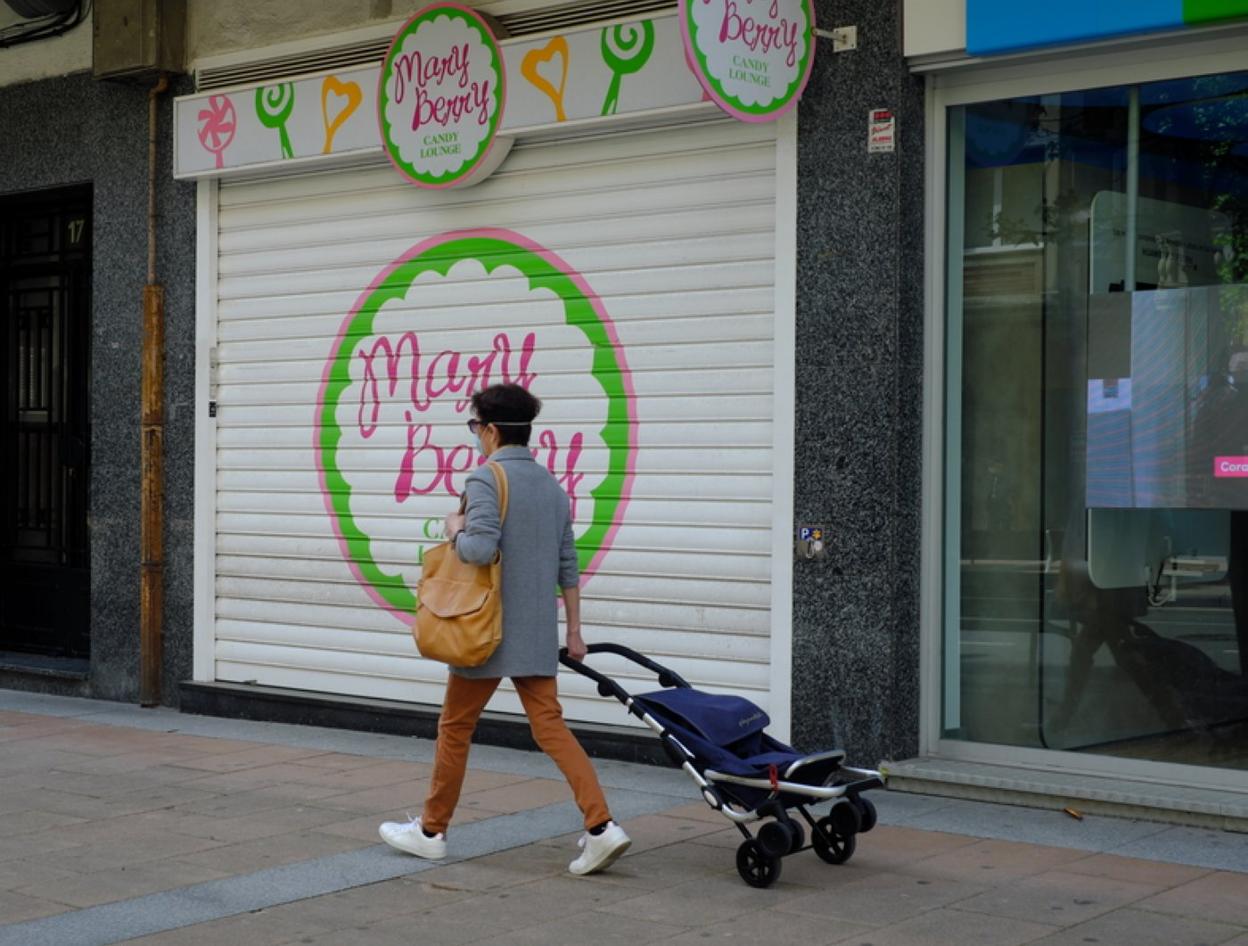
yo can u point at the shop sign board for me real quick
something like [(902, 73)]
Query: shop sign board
[(440, 98), (591, 74), (753, 57), (996, 26)]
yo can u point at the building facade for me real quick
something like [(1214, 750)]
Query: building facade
[(911, 414), (74, 215), (747, 285)]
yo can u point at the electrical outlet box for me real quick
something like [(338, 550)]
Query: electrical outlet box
[(138, 39)]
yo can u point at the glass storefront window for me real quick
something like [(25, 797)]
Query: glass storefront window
[(1097, 462)]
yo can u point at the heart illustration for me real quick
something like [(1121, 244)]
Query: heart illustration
[(346, 98), (535, 58)]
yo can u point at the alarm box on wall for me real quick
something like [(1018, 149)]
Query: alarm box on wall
[(137, 39)]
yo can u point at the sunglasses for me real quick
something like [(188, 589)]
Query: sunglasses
[(475, 426)]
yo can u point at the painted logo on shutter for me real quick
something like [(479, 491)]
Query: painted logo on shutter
[(753, 57), (455, 314), (440, 98)]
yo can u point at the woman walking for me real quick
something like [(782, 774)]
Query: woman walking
[(538, 554)]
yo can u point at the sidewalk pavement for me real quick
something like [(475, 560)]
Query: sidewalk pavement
[(150, 827)]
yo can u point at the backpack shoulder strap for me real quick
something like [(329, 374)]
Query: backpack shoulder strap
[(500, 481)]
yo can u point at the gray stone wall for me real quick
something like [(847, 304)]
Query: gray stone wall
[(76, 130), (858, 371)]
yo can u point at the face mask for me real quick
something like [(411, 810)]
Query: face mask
[(476, 441)]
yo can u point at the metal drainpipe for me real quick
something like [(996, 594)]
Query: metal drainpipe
[(152, 502)]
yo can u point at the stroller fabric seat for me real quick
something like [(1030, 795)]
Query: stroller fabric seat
[(724, 733)]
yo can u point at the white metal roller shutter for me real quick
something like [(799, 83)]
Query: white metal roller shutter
[(674, 230)]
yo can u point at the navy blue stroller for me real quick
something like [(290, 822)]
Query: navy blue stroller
[(745, 774)]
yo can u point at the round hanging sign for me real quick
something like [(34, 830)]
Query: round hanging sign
[(753, 57), (440, 98)]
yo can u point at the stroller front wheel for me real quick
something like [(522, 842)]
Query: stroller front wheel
[(831, 846), (866, 808), (755, 866)]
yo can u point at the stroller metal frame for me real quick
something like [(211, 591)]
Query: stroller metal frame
[(758, 857)]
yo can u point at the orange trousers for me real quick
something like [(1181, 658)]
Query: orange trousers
[(465, 700)]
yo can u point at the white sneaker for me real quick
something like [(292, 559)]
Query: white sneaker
[(408, 837), (600, 851)]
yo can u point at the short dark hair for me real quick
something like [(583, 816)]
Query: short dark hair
[(511, 407)]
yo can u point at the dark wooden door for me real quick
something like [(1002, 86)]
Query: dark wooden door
[(45, 291)]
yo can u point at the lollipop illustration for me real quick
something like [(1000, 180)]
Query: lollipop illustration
[(274, 103), (217, 124), (625, 49)]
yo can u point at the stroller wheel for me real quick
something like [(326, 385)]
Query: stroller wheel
[(754, 866), (866, 808), (799, 837), (829, 844), (778, 838), (845, 818)]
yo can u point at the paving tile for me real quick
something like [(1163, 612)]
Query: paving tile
[(184, 745), (654, 831), (153, 763), (498, 871), (762, 926), (235, 805), (32, 871), (1059, 898), (249, 856), (466, 921), (710, 899), (892, 846), (808, 870), (20, 907), (1133, 927), (698, 811), (248, 758), (363, 777), (353, 910), (339, 761), (1135, 870), (949, 926), (28, 821), (882, 898), (49, 731), (404, 796), (1219, 896), (149, 798), (134, 849), (656, 869), (580, 928), (264, 824), (272, 927), (31, 845), (509, 799), (993, 862), (364, 827), (122, 883)]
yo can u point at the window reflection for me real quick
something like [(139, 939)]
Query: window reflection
[(1099, 292)]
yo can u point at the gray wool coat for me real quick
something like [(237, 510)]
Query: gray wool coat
[(539, 556)]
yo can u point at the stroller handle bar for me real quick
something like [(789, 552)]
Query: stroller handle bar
[(607, 686)]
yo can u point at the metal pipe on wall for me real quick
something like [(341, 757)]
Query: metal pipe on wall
[(152, 501)]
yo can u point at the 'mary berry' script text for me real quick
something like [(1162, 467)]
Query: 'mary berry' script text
[(450, 377)]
